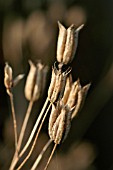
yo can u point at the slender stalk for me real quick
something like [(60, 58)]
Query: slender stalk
[(37, 161), (34, 128), (16, 158), (14, 120), (34, 142), (24, 125), (54, 148), (22, 132)]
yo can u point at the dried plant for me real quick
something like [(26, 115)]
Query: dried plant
[(65, 98)]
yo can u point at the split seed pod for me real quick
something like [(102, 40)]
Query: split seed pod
[(8, 79), (33, 87), (67, 43), (66, 109), (57, 85)]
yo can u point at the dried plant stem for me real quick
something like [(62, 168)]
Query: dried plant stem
[(36, 163), (34, 142), (14, 120), (22, 132), (54, 148), (34, 128)]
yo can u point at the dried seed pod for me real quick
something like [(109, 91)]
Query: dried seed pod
[(67, 123), (61, 42), (53, 116), (57, 85), (67, 43), (8, 82), (67, 89), (30, 82), (80, 101), (38, 81), (70, 45), (34, 82), (73, 94), (52, 84), (61, 126)]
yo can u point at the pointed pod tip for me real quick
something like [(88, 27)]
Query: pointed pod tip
[(79, 28), (60, 25)]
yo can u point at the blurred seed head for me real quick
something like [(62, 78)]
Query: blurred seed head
[(8, 78), (35, 79)]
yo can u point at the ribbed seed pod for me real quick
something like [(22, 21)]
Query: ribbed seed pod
[(30, 82), (52, 84), (67, 43), (39, 81), (70, 45), (53, 116), (34, 83), (73, 94), (61, 42), (8, 79), (67, 90), (61, 126), (80, 101), (8, 76)]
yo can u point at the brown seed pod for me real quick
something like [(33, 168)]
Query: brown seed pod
[(67, 43), (8, 79), (73, 94), (30, 82), (38, 82), (61, 42), (70, 45), (52, 84), (53, 116), (8, 76), (80, 101), (67, 89)]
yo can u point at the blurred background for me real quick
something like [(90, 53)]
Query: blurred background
[(29, 30)]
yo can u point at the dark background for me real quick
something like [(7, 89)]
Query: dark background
[(93, 63)]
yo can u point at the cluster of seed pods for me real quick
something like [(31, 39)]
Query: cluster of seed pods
[(66, 97)]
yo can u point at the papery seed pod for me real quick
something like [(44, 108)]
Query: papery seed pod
[(61, 127), (8, 77), (61, 42), (38, 82), (53, 116), (52, 84), (67, 89), (30, 82), (67, 123), (80, 101), (57, 87), (70, 45), (73, 94)]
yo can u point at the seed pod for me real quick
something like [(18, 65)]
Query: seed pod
[(67, 43), (52, 84), (61, 42), (70, 45), (38, 82), (67, 123), (73, 94), (53, 116), (30, 82), (8, 77), (67, 89), (80, 101)]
